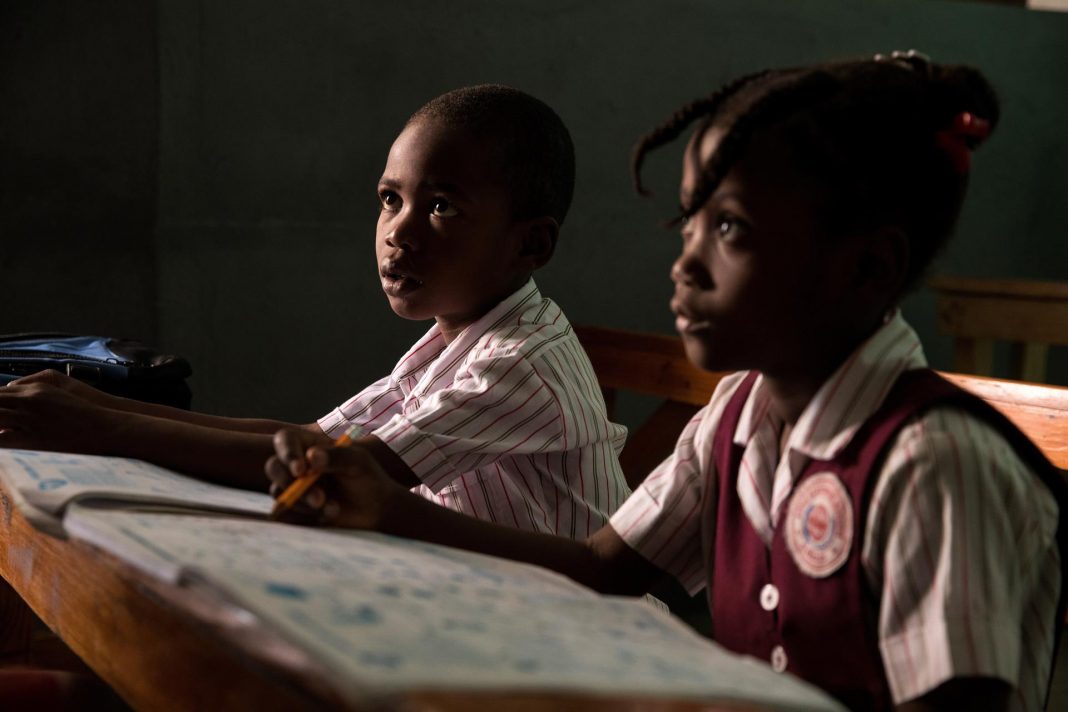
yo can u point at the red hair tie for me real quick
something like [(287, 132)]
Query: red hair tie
[(965, 133)]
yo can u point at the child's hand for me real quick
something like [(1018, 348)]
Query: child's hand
[(70, 385), (38, 415), (353, 490)]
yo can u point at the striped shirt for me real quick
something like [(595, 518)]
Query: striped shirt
[(506, 423), (960, 538)]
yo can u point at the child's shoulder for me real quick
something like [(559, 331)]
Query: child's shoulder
[(706, 421), (531, 334), (952, 453)]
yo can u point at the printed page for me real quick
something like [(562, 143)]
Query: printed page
[(51, 480), (386, 615)]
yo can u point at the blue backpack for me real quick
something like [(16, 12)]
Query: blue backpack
[(122, 367)]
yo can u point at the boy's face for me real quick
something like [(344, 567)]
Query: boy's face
[(756, 281), (446, 243)]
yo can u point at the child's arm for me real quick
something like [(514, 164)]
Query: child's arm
[(357, 492), (962, 535), (40, 416), (106, 400)]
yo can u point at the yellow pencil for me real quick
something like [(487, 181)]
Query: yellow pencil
[(299, 486)]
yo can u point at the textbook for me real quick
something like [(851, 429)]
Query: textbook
[(379, 615), (383, 615), (43, 484)]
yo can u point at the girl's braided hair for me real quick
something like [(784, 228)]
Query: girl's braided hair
[(888, 138)]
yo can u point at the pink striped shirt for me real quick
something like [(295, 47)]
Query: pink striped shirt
[(960, 538), (506, 423)]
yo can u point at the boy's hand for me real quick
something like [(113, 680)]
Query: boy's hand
[(70, 385), (353, 490), (35, 414)]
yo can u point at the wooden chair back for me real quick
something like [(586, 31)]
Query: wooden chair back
[(1030, 316), (651, 364), (656, 364)]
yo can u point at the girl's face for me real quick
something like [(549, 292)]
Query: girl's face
[(758, 284)]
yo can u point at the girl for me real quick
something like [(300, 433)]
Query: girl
[(856, 520)]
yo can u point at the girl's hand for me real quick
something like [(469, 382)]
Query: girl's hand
[(352, 491)]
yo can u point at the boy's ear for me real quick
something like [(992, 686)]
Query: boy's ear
[(883, 265), (539, 241)]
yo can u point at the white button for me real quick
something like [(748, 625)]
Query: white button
[(778, 659), (769, 597)]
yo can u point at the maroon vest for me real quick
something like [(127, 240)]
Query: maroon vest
[(822, 625)]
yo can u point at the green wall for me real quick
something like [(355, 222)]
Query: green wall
[(79, 97), (274, 120)]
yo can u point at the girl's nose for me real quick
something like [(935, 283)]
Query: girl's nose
[(690, 269), (678, 272)]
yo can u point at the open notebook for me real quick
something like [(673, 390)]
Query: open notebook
[(43, 484), (383, 615)]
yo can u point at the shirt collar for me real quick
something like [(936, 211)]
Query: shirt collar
[(432, 349), (848, 398)]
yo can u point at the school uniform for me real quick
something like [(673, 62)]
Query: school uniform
[(895, 546), (506, 423)]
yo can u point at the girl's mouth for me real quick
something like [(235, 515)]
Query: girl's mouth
[(688, 325)]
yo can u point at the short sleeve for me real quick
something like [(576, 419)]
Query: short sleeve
[(369, 409), (961, 546), (496, 406), (661, 519)]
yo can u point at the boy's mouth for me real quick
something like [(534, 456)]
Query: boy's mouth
[(397, 282)]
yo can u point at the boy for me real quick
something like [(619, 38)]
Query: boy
[(495, 412)]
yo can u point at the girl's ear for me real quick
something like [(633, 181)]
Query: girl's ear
[(882, 266), (539, 241)]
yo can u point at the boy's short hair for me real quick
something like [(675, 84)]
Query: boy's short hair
[(534, 146)]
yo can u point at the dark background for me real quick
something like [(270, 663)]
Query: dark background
[(201, 175)]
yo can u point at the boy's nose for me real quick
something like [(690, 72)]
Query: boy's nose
[(402, 235)]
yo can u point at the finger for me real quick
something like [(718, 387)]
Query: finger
[(330, 511), (48, 375), (315, 498), (318, 458), (277, 472), (18, 440), (9, 417), (290, 450)]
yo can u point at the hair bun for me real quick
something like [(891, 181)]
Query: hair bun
[(963, 90)]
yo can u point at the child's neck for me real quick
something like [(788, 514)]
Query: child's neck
[(792, 388), (790, 396), (452, 327)]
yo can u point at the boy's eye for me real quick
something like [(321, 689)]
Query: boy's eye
[(388, 199), (442, 208)]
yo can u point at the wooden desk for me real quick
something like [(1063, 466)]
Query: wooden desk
[(165, 647)]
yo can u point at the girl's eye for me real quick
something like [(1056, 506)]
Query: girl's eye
[(389, 200), (729, 227), (442, 208)]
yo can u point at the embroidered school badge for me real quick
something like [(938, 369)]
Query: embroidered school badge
[(819, 525)]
